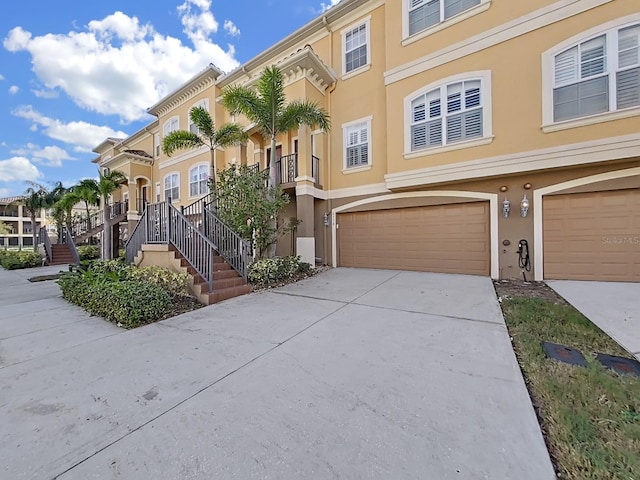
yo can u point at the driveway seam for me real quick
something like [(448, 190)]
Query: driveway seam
[(43, 329)]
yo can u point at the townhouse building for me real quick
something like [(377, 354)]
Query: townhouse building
[(485, 137), (18, 222)]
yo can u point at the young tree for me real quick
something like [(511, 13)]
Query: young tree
[(87, 192), (107, 184), (267, 108), (227, 135)]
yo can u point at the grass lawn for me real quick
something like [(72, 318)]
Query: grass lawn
[(589, 416)]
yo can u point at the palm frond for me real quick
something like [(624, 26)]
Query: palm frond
[(180, 139), (240, 99), (229, 134), (271, 89), (303, 112), (201, 119)]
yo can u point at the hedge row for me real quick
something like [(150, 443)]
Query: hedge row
[(13, 259)]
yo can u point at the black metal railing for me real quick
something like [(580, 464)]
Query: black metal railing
[(43, 238), (287, 169), (235, 250), (137, 238), (67, 239), (315, 169), (141, 203), (118, 208)]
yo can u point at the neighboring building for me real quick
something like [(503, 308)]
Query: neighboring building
[(440, 111), (15, 216)]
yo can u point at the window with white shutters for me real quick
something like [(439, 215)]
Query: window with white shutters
[(448, 114), (198, 180), (598, 75), (357, 143), (356, 47), (427, 13), (172, 186)]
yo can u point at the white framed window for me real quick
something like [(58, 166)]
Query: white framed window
[(156, 144), (454, 111), (172, 186), (356, 48), (204, 103), (158, 198), (598, 75), (171, 125), (424, 14), (357, 144), (198, 177)]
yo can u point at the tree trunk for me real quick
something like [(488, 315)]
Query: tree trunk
[(213, 169), (106, 232), (270, 251), (34, 233)]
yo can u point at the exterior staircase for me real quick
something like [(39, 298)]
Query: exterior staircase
[(61, 254), (195, 241), (88, 227)]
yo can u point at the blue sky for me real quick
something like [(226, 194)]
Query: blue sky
[(79, 71)]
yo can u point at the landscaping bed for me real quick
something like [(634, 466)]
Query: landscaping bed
[(127, 295), (276, 272), (17, 259), (590, 416)]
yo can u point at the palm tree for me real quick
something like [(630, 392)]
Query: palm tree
[(52, 197), (108, 183), (87, 192), (35, 198), (65, 205), (266, 107), (227, 135)]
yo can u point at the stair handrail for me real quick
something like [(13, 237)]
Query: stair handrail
[(137, 238), (236, 251), (192, 244), (67, 239), (43, 237)]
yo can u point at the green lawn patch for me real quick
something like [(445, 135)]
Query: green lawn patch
[(590, 416)]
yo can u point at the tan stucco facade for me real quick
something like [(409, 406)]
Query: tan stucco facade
[(507, 49)]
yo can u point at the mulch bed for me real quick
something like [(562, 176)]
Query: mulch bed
[(506, 289), (318, 269)]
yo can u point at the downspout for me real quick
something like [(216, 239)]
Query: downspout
[(329, 202)]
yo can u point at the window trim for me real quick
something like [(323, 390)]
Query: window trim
[(409, 39), (164, 188), (343, 34), (168, 122), (157, 145), (484, 76), (360, 168), (548, 76), (203, 102), (191, 169)]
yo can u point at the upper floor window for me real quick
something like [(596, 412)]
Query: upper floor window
[(454, 111), (599, 75), (427, 13), (156, 143), (355, 42), (198, 180), (204, 103), (172, 186), (357, 143), (171, 125)]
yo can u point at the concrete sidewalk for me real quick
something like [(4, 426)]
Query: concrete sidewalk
[(350, 374), (612, 306)]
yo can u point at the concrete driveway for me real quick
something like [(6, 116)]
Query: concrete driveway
[(612, 306), (351, 374)]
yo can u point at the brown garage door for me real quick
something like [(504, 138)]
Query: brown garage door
[(592, 236), (443, 238)]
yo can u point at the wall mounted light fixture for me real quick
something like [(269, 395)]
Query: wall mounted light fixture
[(506, 208), (524, 206)]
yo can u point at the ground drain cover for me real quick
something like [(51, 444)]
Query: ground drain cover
[(565, 354), (619, 364)]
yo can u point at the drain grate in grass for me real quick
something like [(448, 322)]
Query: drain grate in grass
[(564, 354), (619, 364)]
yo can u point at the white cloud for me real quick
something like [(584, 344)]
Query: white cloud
[(13, 89), (118, 65), (50, 156), (1, 77), (326, 6), (43, 93), (18, 169), (231, 28), (83, 135)]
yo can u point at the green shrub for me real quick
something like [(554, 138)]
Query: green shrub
[(268, 271), (174, 283), (115, 266), (89, 252), (12, 260), (127, 302)]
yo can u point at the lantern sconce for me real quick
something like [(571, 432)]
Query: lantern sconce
[(524, 206), (506, 208)]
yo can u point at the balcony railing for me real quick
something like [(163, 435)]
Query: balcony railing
[(287, 169)]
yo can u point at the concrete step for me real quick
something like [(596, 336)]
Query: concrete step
[(221, 284), (226, 293)]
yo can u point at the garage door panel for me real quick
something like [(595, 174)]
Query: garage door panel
[(445, 238), (592, 236)]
